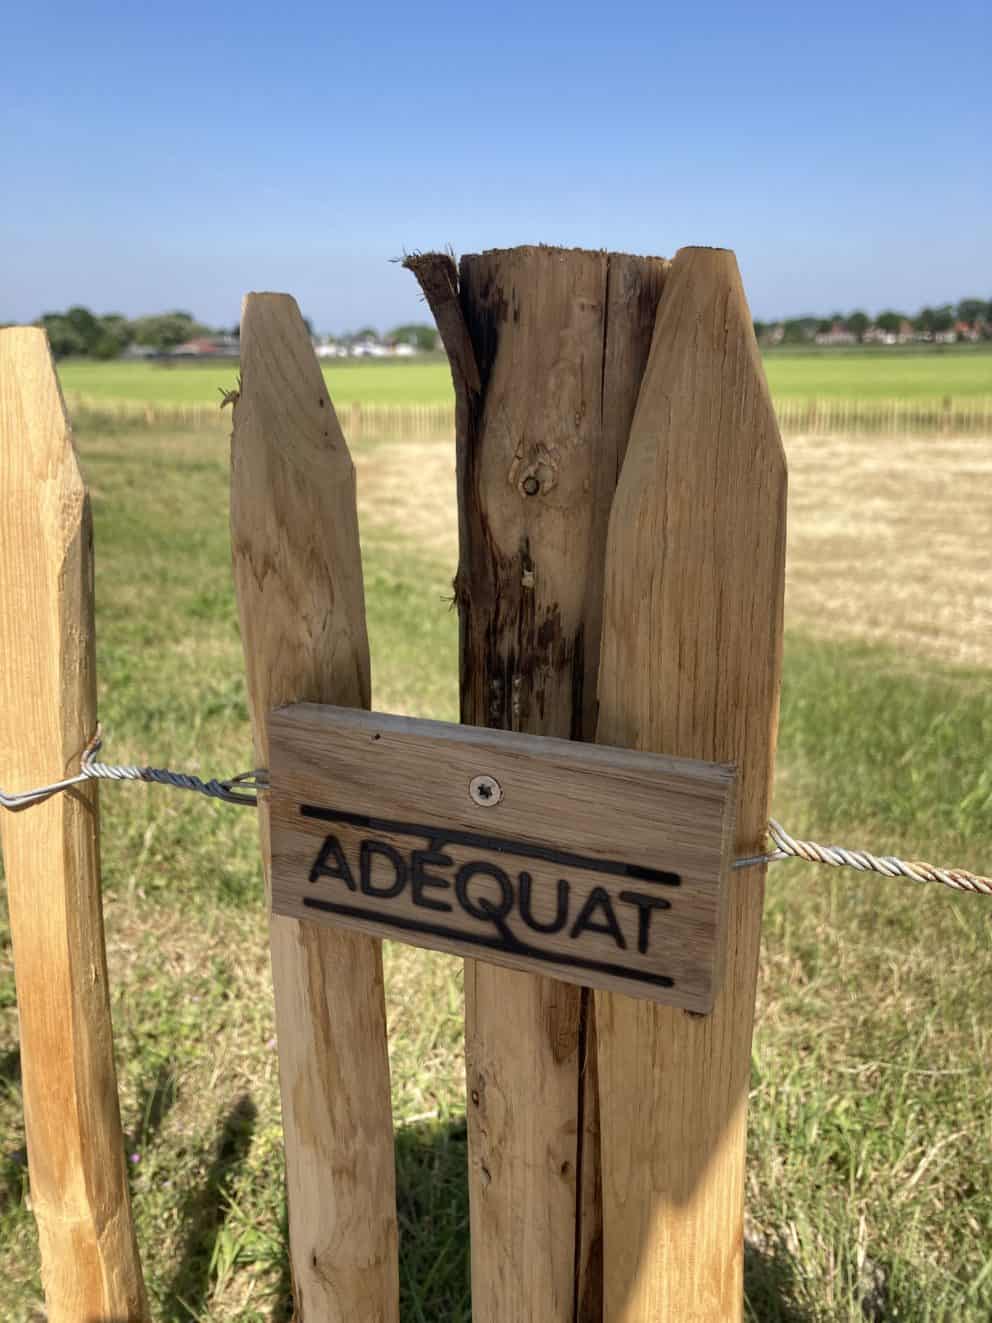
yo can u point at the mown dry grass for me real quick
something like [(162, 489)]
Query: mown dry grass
[(870, 1151), (889, 537), (889, 541), (406, 493)]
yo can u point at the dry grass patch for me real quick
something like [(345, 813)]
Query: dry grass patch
[(889, 540), (888, 536), (406, 493)]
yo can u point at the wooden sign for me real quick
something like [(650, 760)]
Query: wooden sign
[(604, 867)]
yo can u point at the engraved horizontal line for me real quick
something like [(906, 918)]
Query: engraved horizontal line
[(497, 844), (521, 949)]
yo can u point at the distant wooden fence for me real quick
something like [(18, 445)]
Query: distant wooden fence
[(388, 422), (962, 417), (432, 422)]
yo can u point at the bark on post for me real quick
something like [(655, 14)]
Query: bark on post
[(89, 1258), (547, 348), (691, 664), (298, 575)]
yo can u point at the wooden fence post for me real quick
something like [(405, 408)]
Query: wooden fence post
[(690, 666), (79, 1193), (298, 575), (547, 349)]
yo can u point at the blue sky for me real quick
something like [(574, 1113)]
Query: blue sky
[(176, 155)]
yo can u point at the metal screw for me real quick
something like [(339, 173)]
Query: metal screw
[(485, 791)]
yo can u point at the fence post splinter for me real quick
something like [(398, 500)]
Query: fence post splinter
[(76, 1161)]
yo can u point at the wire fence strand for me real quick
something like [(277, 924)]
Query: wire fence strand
[(959, 879), (244, 789), (241, 789)]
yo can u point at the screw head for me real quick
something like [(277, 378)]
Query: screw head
[(485, 791)]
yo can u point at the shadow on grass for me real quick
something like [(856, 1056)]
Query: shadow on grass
[(432, 1209), (10, 1066), (435, 1267), (283, 1309), (777, 1290), (432, 1204), (434, 1260), (772, 1285), (205, 1213), (13, 1163), (156, 1101)]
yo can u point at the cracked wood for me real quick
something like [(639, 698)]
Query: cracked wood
[(547, 348)]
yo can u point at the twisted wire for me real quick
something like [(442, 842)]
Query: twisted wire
[(241, 789), (788, 847), (244, 789)]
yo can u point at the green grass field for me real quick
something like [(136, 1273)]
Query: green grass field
[(881, 373), (958, 371), (869, 1186), (367, 382)]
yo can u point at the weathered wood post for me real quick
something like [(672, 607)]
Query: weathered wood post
[(547, 347), (298, 575), (690, 666), (89, 1258)]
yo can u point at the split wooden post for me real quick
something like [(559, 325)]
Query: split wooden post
[(298, 575), (76, 1160), (547, 347), (690, 666)]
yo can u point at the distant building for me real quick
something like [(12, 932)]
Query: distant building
[(328, 348), (368, 348), (837, 335), (209, 346)]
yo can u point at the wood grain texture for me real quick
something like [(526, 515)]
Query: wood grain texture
[(298, 575), (547, 348), (602, 867), (690, 666), (79, 1193)]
